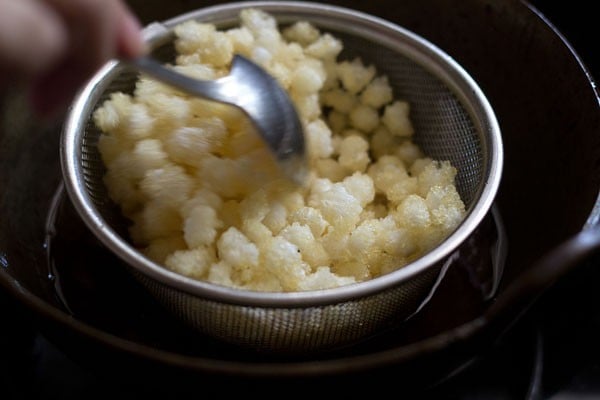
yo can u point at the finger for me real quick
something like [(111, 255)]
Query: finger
[(92, 29), (91, 26), (32, 36), (103, 28), (130, 43), (99, 30)]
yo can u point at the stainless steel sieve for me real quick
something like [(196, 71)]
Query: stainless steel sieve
[(453, 121)]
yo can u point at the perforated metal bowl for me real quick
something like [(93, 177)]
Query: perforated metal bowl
[(453, 121)]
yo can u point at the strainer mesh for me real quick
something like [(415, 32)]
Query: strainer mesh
[(295, 330), (93, 168)]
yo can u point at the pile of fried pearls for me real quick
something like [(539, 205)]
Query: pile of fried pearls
[(207, 200)]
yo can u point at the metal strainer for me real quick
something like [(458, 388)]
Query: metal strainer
[(453, 121)]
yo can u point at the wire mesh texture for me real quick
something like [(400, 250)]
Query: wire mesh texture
[(452, 119)]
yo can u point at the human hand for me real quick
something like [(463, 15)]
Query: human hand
[(54, 46)]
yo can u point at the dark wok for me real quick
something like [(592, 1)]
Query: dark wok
[(549, 114)]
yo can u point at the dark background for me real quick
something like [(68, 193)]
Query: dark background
[(552, 353)]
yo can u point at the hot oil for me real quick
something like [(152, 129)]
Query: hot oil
[(93, 285), (49, 238)]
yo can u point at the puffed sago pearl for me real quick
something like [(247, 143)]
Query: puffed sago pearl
[(364, 118), (445, 206), (309, 106), (276, 218), (241, 39), (113, 113), (323, 278), (402, 188), (364, 240), (318, 138), (306, 79), (220, 273), (386, 171), (111, 147), (325, 47), (413, 212), (153, 222), (354, 75), (188, 145), (257, 21), (377, 93), (192, 36), (311, 250), (201, 226), (146, 155), (169, 185), (435, 174), (396, 119), (354, 153), (203, 196), (216, 170), (337, 121), (170, 111), (330, 169), (139, 122), (340, 100), (159, 249), (193, 263), (236, 249), (312, 218), (337, 206), (302, 32), (382, 142), (353, 269), (360, 186), (122, 189), (284, 260), (408, 152)]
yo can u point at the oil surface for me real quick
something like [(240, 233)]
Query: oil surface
[(94, 286)]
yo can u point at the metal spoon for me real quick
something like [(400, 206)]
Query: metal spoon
[(250, 88)]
